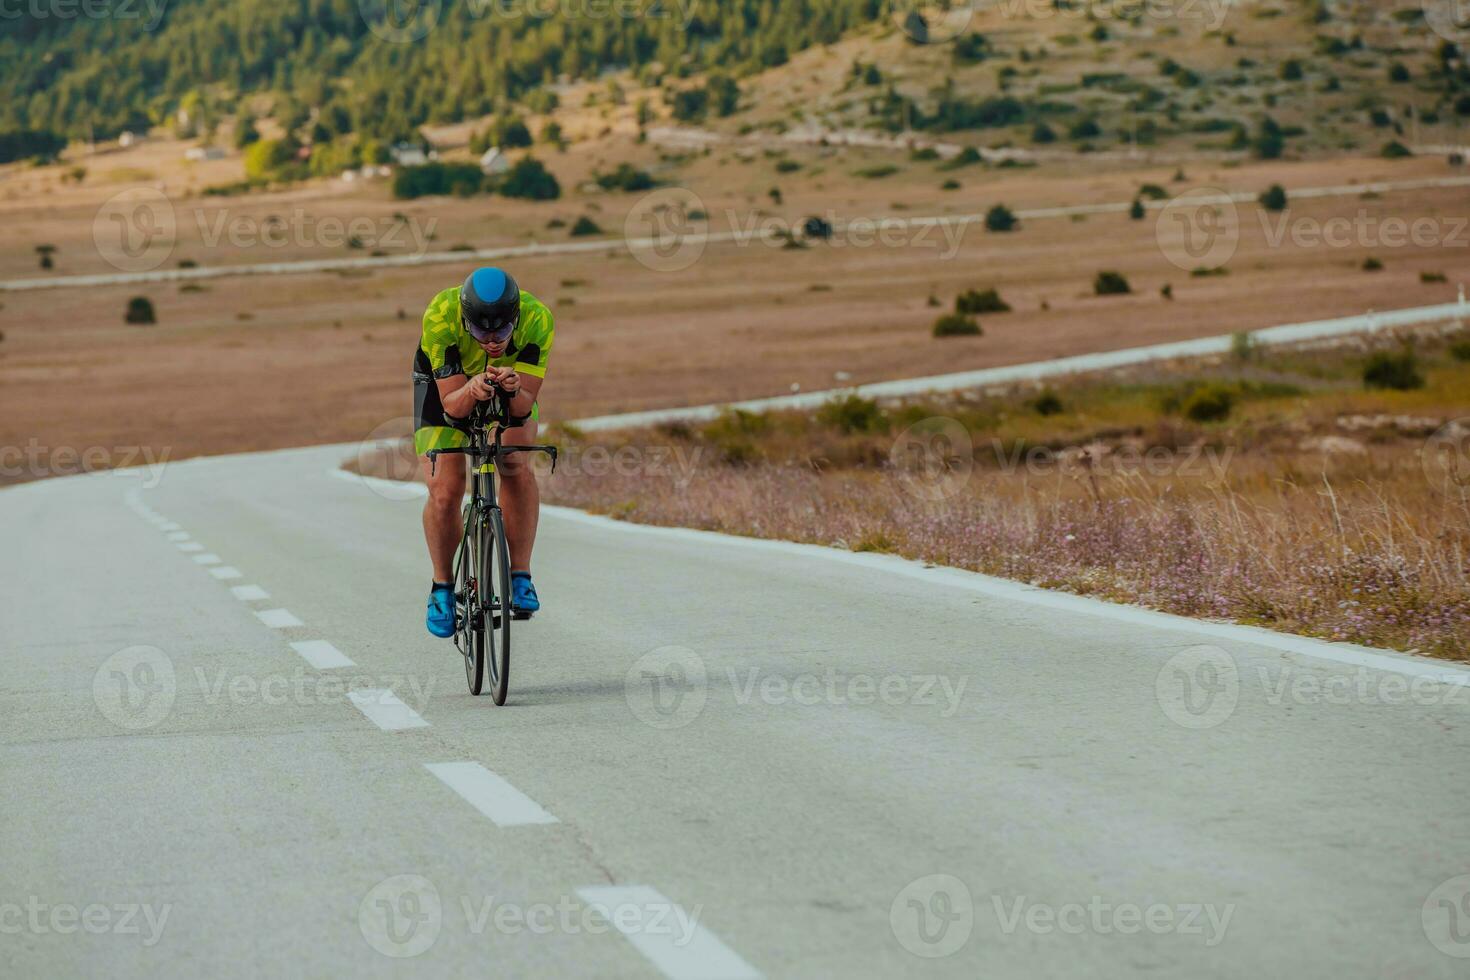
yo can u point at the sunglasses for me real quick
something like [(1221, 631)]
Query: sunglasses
[(489, 332)]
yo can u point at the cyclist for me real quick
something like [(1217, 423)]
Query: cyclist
[(482, 335)]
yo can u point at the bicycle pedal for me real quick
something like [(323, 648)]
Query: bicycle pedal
[(521, 615)]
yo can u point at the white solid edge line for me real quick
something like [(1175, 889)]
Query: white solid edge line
[(249, 593), (999, 588), (278, 619), (490, 793), (382, 708), (226, 571), (321, 654), (667, 936)]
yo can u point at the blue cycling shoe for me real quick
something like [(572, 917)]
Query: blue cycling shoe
[(441, 611), (523, 600)]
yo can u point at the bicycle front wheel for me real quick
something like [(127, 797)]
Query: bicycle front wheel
[(495, 574), (470, 630)]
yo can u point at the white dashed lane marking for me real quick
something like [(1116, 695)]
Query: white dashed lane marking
[(667, 936), (178, 535), (278, 619), (383, 709), (191, 546), (321, 654), (490, 793), (225, 571), (209, 559), (249, 593)]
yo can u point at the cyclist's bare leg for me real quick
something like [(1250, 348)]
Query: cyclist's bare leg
[(443, 521), (520, 497)]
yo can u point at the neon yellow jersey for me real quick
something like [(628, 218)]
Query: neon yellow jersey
[(447, 349)]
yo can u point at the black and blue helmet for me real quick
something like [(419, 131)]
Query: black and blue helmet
[(490, 305)]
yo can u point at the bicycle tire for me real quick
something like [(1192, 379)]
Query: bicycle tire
[(471, 625), (498, 613)]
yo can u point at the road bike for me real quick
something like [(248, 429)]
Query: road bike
[(482, 593)]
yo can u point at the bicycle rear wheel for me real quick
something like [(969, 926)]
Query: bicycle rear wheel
[(470, 633), (496, 575)]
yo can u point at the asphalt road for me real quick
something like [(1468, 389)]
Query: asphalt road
[(230, 748)]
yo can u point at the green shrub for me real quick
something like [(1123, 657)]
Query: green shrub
[(877, 172), (1394, 150), (1209, 403), (585, 226), (853, 414), (956, 325), (531, 180), (787, 166), (1460, 350), (1048, 402), (973, 302), (1370, 264), (1274, 199), (140, 310), (625, 177), (1111, 284), (1136, 211), (1429, 278), (925, 154), (1000, 218), (1395, 371), (460, 179)]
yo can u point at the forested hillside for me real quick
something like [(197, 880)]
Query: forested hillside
[(149, 59)]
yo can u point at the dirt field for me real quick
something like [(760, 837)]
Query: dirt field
[(253, 363)]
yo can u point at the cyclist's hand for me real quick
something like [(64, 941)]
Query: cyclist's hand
[(482, 387), (508, 380)]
